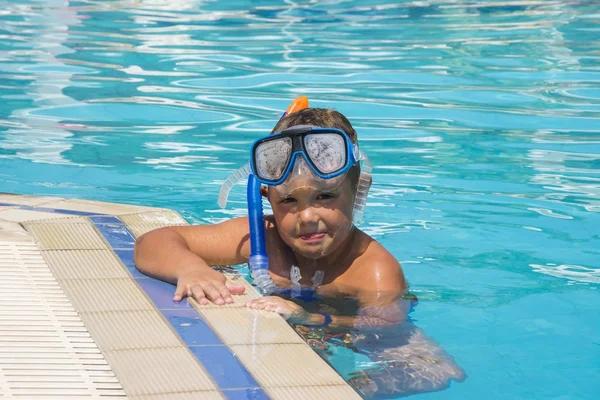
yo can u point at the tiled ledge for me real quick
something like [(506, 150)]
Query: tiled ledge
[(239, 353)]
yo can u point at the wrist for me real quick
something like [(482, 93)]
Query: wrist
[(191, 263), (318, 320)]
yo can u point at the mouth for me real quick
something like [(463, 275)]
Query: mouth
[(312, 237)]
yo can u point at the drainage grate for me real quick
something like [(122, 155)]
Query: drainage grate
[(45, 350)]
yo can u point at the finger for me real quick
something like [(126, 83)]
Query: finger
[(235, 288), (213, 294), (282, 311), (264, 299), (198, 293), (180, 292), (224, 292), (259, 304), (254, 303)]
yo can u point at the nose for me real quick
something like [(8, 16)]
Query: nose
[(307, 214)]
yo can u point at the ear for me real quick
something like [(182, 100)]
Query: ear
[(264, 191)]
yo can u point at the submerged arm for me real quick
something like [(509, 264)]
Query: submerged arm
[(379, 290), (371, 318), (379, 285)]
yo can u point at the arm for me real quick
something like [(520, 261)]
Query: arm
[(378, 286), (184, 254), (378, 283)]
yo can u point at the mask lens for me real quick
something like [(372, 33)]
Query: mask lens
[(271, 158), (303, 176), (327, 151)]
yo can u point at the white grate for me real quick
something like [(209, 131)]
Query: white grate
[(45, 350)]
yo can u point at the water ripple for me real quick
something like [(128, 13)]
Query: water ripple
[(482, 118)]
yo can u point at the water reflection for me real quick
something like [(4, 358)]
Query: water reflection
[(26, 137), (568, 174)]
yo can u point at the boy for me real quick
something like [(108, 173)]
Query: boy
[(311, 242)]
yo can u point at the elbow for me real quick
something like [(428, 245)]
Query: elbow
[(148, 245), (390, 323), (138, 251), (139, 244), (144, 245), (376, 324)]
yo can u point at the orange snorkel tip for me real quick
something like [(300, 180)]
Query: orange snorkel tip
[(300, 103)]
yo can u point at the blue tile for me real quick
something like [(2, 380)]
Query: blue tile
[(224, 368), (126, 256), (51, 210), (161, 293), (69, 212), (105, 220), (60, 211), (117, 235), (191, 327), (245, 394)]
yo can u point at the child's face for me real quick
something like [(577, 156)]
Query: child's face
[(314, 223)]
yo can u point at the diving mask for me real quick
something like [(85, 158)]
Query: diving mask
[(329, 152), (304, 156)]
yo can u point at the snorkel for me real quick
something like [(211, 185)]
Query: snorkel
[(258, 260)]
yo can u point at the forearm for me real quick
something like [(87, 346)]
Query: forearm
[(361, 322), (164, 254)]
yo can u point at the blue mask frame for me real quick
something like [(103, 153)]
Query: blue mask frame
[(297, 135)]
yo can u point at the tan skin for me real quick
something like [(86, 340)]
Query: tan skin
[(308, 228)]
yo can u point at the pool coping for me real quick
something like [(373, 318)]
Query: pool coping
[(245, 354)]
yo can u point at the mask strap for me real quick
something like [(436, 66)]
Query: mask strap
[(362, 190), (239, 175)]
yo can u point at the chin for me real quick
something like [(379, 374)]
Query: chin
[(313, 252)]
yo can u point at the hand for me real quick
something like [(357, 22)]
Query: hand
[(287, 309), (204, 284)]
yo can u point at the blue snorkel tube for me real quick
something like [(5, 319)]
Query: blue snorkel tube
[(259, 259)]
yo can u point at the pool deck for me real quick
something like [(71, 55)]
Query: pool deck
[(78, 320)]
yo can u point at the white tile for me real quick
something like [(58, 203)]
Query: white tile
[(338, 392), (247, 326), (275, 365), (18, 215), (94, 207), (13, 232), (25, 200), (66, 236)]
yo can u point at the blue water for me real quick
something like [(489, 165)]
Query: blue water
[(482, 119)]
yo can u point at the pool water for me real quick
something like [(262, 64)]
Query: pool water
[(482, 120)]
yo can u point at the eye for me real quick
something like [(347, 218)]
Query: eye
[(326, 196), (288, 200)]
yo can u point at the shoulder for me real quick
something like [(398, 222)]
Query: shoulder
[(376, 269)]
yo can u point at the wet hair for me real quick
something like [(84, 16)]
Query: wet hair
[(324, 118), (321, 117)]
